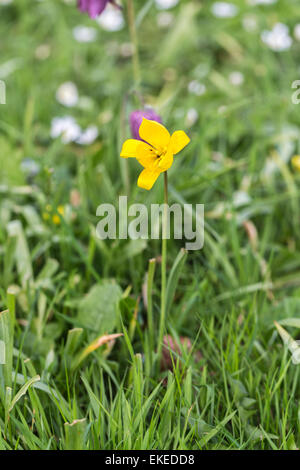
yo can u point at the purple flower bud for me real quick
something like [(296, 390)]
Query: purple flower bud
[(93, 7), (136, 118)]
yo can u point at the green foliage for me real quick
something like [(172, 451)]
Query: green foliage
[(63, 383), (98, 310)]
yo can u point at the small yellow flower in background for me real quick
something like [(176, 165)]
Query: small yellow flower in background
[(296, 162), (61, 210), (46, 213), (56, 218), (156, 153)]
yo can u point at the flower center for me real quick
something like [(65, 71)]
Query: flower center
[(159, 154)]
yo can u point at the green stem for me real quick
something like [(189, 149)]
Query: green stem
[(134, 41), (150, 276), (163, 270), (124, 161)]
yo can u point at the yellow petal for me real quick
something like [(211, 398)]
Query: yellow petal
[(154, 133), (166, 161), (147, 159), (179, 140), (133, 148), (296, 162), (139, 150), (148, 177)]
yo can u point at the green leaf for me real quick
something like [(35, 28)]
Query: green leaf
[(291, 444), (98, 310), (134, 247), (143, 13), (48, 271), (72, 340), (216, 430), (174, 277), (2, 352), (22, 254), (75, 432), (23, 390), (291, 344), (295, 322), (97, 343), (6, 338)]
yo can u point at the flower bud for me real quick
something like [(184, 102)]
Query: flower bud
[(93, 7), (136, 118)]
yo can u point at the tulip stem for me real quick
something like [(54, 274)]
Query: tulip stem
[(163, 270), (134, 41)]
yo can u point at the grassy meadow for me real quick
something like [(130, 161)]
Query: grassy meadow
[(229, 382)]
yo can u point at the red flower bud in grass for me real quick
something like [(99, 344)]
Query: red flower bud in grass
[(172, 350), (136, 118)]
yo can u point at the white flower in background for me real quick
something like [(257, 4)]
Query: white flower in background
[(165, 4), (30, 167), (65, 127), (67, 94), (191, 117), (278, 39), (5, 2), (69, 130), (164, 19), (196, 87), (250, 23), (84, 33), (111, 19), (262, 2), (88, 136), (236, 78), (297, 32), (224, 10)]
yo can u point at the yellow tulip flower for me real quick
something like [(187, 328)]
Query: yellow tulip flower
[(155, 151)]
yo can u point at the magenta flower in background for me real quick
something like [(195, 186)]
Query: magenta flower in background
[(93, 7), (136, 118)]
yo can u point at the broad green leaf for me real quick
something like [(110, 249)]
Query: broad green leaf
[(75, 432), (99, 309)]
